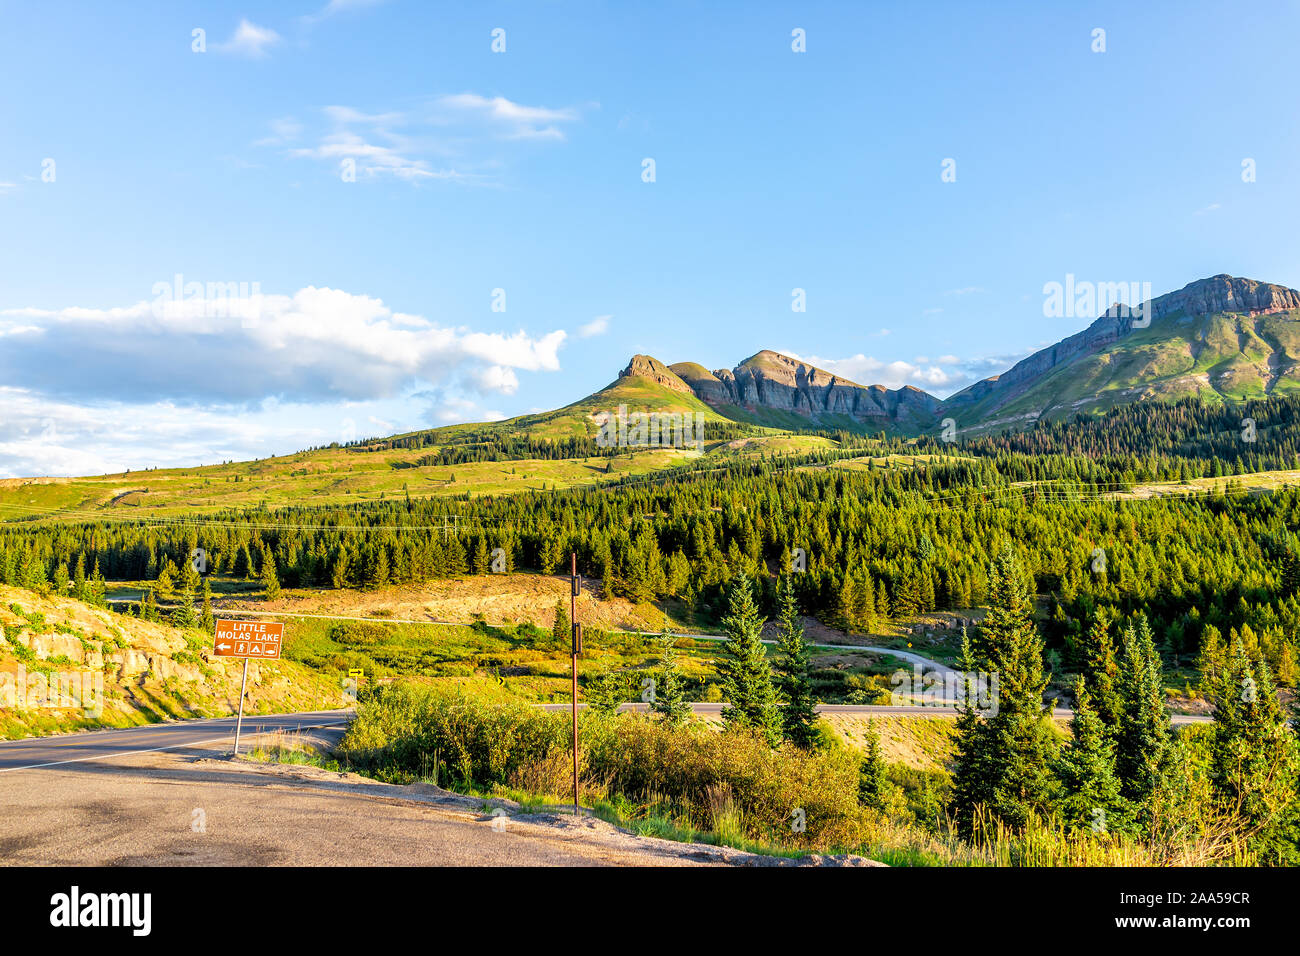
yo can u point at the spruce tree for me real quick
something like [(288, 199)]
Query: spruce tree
[(1101, 672), (1253, 759), (606, 693), (1086, 770), (670, 693), (872, 782), (973, 781), (270, 580), (1142, 743), (798, 705), (183, 616), (745, 677), (207, 622), (562, 628), (1007, 756), (97, 589)]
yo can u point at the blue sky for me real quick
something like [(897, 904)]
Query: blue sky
[(522, 171)]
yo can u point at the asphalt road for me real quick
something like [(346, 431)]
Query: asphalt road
[(166, 795), (39, 752)]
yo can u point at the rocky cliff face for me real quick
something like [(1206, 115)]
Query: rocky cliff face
[(770, 380)]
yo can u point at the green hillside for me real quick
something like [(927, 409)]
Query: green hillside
[(1214, 357)]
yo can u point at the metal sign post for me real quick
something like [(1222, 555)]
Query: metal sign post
[(576, 587), (239, 722), (260, 639)]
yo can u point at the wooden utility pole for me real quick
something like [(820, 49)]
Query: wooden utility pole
[(574, 591)]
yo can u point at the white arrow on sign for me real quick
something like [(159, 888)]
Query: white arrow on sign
[(223, 647)]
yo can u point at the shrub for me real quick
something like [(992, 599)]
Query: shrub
[(705, 777)]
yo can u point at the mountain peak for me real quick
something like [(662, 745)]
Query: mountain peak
[(771, 385), (1215, 337), (647, 366), (1225, 293)]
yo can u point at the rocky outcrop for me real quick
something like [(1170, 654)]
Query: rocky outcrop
[(643, 366), (770, 380), (1225, 293)]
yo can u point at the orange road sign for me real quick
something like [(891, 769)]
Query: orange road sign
[(249, 639)]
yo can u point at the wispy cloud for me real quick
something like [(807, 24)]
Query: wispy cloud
[(441, 139), (513, 120), (249, 40), (597, 326)]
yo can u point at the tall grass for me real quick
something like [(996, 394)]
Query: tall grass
[(693, 782)]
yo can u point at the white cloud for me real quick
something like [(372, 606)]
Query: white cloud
[(249, 40), (318, 344), (941, 377), (597, 326), (373, 159), (95, 390), (41, 436), (403, 144), (515, 120), (496, 378), (868, 370)]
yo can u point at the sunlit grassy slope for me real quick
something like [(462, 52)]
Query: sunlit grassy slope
[(342, 476)]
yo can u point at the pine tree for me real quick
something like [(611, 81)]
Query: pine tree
[(973, 782), (166, 578), (97, 589), (481, 562), (183, 616), (1254, 760), (872, 782), (270, 580), (1006, 757), (149, 606), (1142, 742), (606, 693), (745, 678), (562, 628), (380, 574), (845, 612), (1086, 770), (670, 693), (1101, 672), (798, 706), (1212, 658), (1290, 572), (206, 621)]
